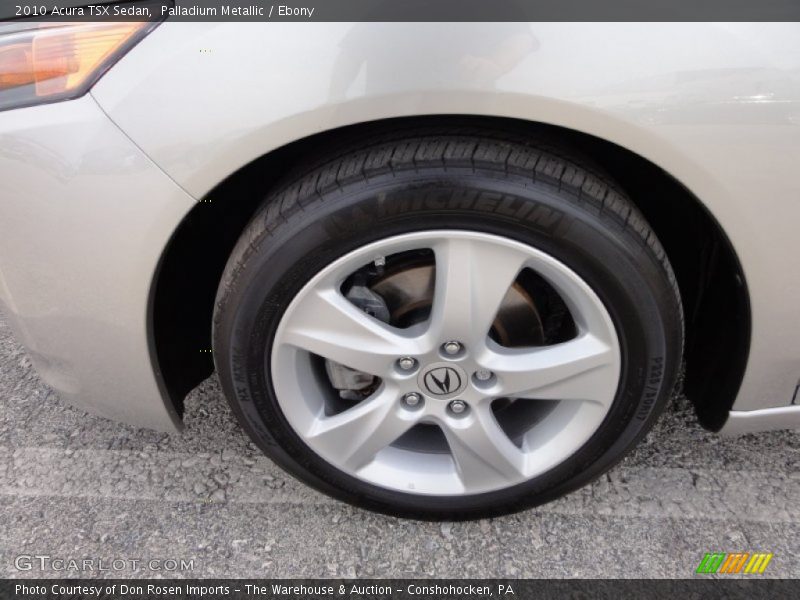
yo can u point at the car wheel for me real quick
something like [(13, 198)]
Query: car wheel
[(447, 324)]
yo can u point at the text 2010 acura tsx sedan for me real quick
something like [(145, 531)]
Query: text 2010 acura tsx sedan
[(441, 270)]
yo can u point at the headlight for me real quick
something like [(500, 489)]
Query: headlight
[(42, 63)]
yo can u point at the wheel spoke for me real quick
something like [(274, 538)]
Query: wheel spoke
[(356, 435), (472, 279), (483, 453), (328, 324), (585, 368)]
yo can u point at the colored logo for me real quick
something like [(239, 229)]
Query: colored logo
[(735, 563)]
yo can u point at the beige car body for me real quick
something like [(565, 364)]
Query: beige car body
[(93, 189)]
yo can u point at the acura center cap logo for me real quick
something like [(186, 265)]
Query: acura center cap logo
[(443, 380)]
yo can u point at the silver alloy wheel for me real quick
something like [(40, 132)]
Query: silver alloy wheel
[(473, 273)]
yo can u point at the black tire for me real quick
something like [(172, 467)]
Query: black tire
[(466, 179)]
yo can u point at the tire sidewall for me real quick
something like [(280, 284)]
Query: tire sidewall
[(294, 247)]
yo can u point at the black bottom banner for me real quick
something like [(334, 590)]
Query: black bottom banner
[(401, 589)]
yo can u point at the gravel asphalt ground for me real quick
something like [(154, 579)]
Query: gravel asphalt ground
[(74, 486)]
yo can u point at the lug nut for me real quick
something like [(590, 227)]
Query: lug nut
[(406, 363), (483, 374), (412, 399), (457, 407), (451, 348)]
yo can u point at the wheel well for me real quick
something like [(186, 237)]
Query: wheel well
[(710, 279)]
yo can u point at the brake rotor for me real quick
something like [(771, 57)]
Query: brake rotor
[(408, 293)]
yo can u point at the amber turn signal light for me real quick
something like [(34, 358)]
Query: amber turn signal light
[(53, 62)]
